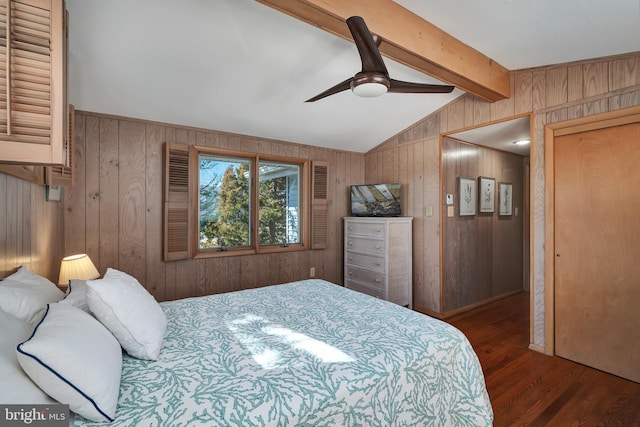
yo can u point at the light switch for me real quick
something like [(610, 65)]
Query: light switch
[(428, 211), (450, 211)]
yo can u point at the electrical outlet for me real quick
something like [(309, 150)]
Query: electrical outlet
[(312, 272)]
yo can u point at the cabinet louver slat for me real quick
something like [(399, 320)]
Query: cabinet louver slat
[(63, 175), (32, 82)]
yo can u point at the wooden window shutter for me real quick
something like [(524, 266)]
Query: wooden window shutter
[(319, 205), (176, 202), (63, 175), (32, 81)]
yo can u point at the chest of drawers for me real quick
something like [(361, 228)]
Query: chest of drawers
[(378, 257)]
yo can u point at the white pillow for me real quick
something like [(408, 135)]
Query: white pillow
[(15, 386), (75, 360), (77, 295), (132, 315), (25, 294)]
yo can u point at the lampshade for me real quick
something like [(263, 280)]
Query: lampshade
[(77, 267)]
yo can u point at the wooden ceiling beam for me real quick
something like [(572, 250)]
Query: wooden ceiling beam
[(408, 39)]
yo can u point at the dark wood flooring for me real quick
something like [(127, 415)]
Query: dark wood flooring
[(528, 388)]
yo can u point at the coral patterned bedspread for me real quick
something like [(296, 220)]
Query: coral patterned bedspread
[(308, 353)]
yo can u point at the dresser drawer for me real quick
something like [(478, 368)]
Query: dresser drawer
[(362, 244), (365, 261), (366, 228), (378, 293), (369, 277)]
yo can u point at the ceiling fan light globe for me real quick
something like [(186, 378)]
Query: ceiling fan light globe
[(370, 84), (369, 90)]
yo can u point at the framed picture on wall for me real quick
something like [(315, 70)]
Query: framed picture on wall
[(467, 196), (505, 200), (486, 194)]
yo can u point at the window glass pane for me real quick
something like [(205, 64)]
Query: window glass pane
[(279, 203), (224, 203)]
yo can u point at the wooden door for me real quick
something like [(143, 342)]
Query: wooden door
[(597, 245)]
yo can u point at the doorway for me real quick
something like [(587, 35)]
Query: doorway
[(485, 255)]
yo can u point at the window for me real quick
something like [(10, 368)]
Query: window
[(279, 199), (211, 206), (224, 202), (229, 203)]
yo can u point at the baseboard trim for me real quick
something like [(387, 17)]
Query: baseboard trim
[(538, 348)]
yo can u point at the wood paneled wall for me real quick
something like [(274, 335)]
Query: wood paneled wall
[(482, 255), (554, 93), (416, 165), (114, 211), (31, 229)]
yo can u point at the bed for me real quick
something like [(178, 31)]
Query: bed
[(307, 353), (303, 353)]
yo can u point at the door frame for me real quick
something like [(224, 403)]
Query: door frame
[(583, 124)]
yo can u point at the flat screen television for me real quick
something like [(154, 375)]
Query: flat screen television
[(376, 199)]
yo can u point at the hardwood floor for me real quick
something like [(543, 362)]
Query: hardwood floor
[(528, 388)]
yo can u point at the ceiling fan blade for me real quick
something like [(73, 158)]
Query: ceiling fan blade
[(367, 46), (398, 86), (345, 85)]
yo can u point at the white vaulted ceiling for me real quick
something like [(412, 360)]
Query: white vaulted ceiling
[(242, 67)]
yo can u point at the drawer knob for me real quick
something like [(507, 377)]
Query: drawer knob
[(350, 243), (378, 246), (377, 263)]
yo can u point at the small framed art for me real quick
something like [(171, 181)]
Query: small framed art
[(487, 194), (505, 200), (467, 196)]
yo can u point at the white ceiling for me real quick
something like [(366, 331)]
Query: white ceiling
[(242, 67), (501, 135)]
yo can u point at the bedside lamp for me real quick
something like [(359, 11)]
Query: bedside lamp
[(77, 267)]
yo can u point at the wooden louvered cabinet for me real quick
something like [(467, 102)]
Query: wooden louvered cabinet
[(62, 175), (33, 99), (378, 257)]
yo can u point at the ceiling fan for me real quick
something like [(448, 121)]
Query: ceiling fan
[(374, 78)]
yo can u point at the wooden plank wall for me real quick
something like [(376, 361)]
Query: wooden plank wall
[(553, 93), (414, 161), (31, 229), (114, 211), (482, 255)]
